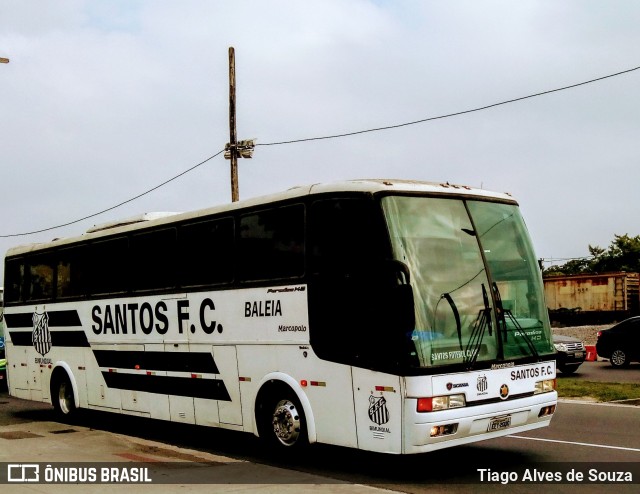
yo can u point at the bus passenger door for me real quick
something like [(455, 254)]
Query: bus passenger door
[(229, 406)]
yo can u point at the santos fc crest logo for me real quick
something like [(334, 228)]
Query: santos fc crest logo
[(41, 337), (378, 412)]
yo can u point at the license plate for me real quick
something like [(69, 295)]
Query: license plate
[(499, 423), (579, 354)]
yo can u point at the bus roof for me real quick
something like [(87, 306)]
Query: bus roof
[(364, 185)]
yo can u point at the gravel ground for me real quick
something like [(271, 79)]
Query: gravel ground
[(588, 334)]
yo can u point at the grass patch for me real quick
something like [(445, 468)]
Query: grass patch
[(576, 388)]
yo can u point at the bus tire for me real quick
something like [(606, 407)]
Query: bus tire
[(62, 396), (282, 420)]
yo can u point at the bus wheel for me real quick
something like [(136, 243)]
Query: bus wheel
[(62, 397), (284, 423)]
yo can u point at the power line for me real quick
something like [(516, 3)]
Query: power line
[(117, 205), (429, 119), (334, 136), (557, 259)]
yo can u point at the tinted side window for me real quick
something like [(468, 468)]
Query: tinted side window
[(109, 261), (630, 329), (271, 244), (206, 252), (153, 257), (14, 281), (40, 278), (345, 234), (71, 272), (634, 325), (347, 249)]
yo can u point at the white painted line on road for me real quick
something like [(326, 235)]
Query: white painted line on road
[(576, 444)]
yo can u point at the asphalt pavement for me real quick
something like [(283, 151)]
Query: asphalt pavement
[(603, 371), (98, 461)]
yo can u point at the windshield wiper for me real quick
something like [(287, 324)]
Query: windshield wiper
[(477, 332), (503, 314), (456, 315)]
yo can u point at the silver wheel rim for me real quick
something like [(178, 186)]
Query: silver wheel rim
[(618, 357), (286, 423), (65, 398)]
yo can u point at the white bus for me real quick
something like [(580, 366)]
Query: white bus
[(389, 316)]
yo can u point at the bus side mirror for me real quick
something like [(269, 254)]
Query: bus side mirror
[(399, 271), (401, 308), (404, 307)]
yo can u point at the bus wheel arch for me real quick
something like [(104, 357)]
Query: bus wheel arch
[(283, 414), (64, 391)]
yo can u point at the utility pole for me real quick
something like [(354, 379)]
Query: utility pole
[(233, 144), (235, 149)]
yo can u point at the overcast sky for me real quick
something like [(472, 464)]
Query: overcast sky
[(102, 101)]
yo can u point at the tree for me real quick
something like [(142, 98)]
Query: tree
[(622, 255)]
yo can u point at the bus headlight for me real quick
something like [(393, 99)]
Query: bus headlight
[(437, 403), (545, 386)]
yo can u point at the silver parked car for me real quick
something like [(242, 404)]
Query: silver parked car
[(571, 353)]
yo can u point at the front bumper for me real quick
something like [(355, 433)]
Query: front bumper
[(473, 422)]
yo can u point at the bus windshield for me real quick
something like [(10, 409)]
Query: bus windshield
[(476, 283)]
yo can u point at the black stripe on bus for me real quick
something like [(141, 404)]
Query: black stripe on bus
[(58, 338), (159, 361), (57, 318), (209, 389)]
